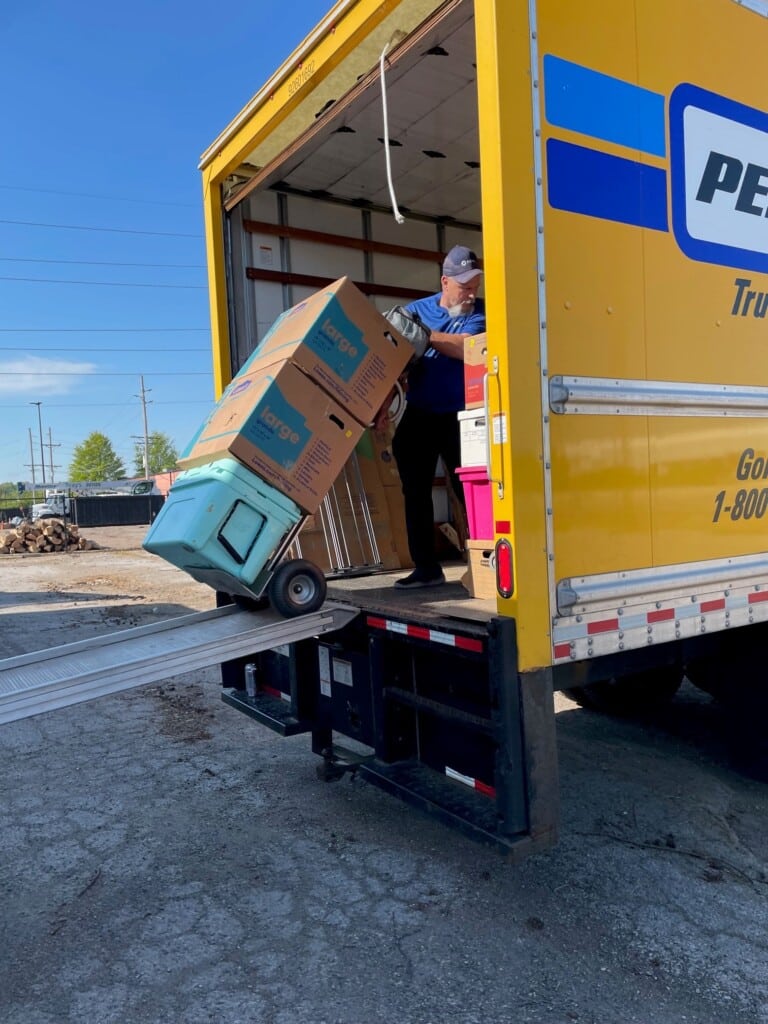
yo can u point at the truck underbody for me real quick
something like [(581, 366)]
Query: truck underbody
[(415, 695)]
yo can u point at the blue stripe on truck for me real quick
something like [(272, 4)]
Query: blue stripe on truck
[(585, 181), (603, 107)]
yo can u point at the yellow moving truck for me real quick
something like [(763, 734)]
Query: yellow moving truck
[(610, 164)]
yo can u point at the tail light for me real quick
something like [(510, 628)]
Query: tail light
[(505, 577)]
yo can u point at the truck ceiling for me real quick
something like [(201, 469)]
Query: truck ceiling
[(432, 113)]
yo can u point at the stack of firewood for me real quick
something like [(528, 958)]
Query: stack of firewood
[(44, 535)]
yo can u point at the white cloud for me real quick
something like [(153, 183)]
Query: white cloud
[(33, 375)]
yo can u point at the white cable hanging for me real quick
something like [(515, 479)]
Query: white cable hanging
[(395, 211)]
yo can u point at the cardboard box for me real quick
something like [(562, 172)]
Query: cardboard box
[(284, 428), (360, 475), (375, 446), (480, 578), (340, 340), (337, 536), (375, 456), (475, 368), (397, 530), (360, 483)]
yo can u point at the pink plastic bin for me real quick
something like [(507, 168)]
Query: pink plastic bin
[(477, 494)]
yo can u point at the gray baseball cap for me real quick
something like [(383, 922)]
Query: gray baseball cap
[(461, 264)]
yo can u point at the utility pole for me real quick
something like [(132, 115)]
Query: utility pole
[(50, 446), (32, 465), (42, 456), (143, 397)]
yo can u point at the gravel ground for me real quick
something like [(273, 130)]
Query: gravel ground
[(164, 860)]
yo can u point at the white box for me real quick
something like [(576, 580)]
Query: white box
[(473, 435)]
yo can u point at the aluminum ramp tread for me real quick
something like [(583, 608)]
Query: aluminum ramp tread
[(41, 681)]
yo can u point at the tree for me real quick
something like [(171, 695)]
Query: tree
[(95, 459), (162, 455)]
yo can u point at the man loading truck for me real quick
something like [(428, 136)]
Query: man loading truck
[(429, 429)]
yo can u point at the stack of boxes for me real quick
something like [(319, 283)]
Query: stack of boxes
[(480, 578), (279, 436), (375, 452), (353, 528)]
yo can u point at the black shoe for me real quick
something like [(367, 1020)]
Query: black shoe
[(421, 578)]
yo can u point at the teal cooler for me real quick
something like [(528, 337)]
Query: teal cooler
[(222, 524)]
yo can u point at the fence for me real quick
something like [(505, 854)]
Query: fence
[(108, 510)]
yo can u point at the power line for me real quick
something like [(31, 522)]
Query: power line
[(99, 373), (88, 195), (102, 263), (110, 405), (85, 227), (107, 284), (102, 350), (100, 330)]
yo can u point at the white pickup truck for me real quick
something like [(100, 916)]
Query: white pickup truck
[(44, 511)]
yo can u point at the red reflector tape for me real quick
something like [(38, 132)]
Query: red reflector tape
[(469, 645), (605, 626), (562, 650), (485, 790), (271, 691), (761, 596), (662, 616), (435, 636), (467, 780), (419, 631), (713, 606)]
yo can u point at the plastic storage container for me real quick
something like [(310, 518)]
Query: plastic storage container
[(477, 494), (221, 524), (473, 437)]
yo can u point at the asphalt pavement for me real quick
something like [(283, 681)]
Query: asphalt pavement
[(166, 861)]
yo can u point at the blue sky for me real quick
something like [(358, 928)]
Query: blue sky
[(106, 111)]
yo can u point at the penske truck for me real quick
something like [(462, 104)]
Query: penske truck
[(610, 165)]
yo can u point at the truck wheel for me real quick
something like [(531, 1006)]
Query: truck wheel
[(712, 675), (627, 695), (735, 680), (297, 587), (746, 733)]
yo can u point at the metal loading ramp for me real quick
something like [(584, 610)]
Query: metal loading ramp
[(31, 684)]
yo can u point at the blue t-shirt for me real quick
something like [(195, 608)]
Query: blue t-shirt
[(436, 382)]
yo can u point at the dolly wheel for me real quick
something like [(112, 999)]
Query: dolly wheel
[(298, 587)]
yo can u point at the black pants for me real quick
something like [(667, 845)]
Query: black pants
[(421, 437)]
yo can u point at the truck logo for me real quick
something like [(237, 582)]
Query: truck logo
[(727, 174), (717, 156), (719, 177)]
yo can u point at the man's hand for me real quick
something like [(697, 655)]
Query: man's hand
[(381, 418)]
